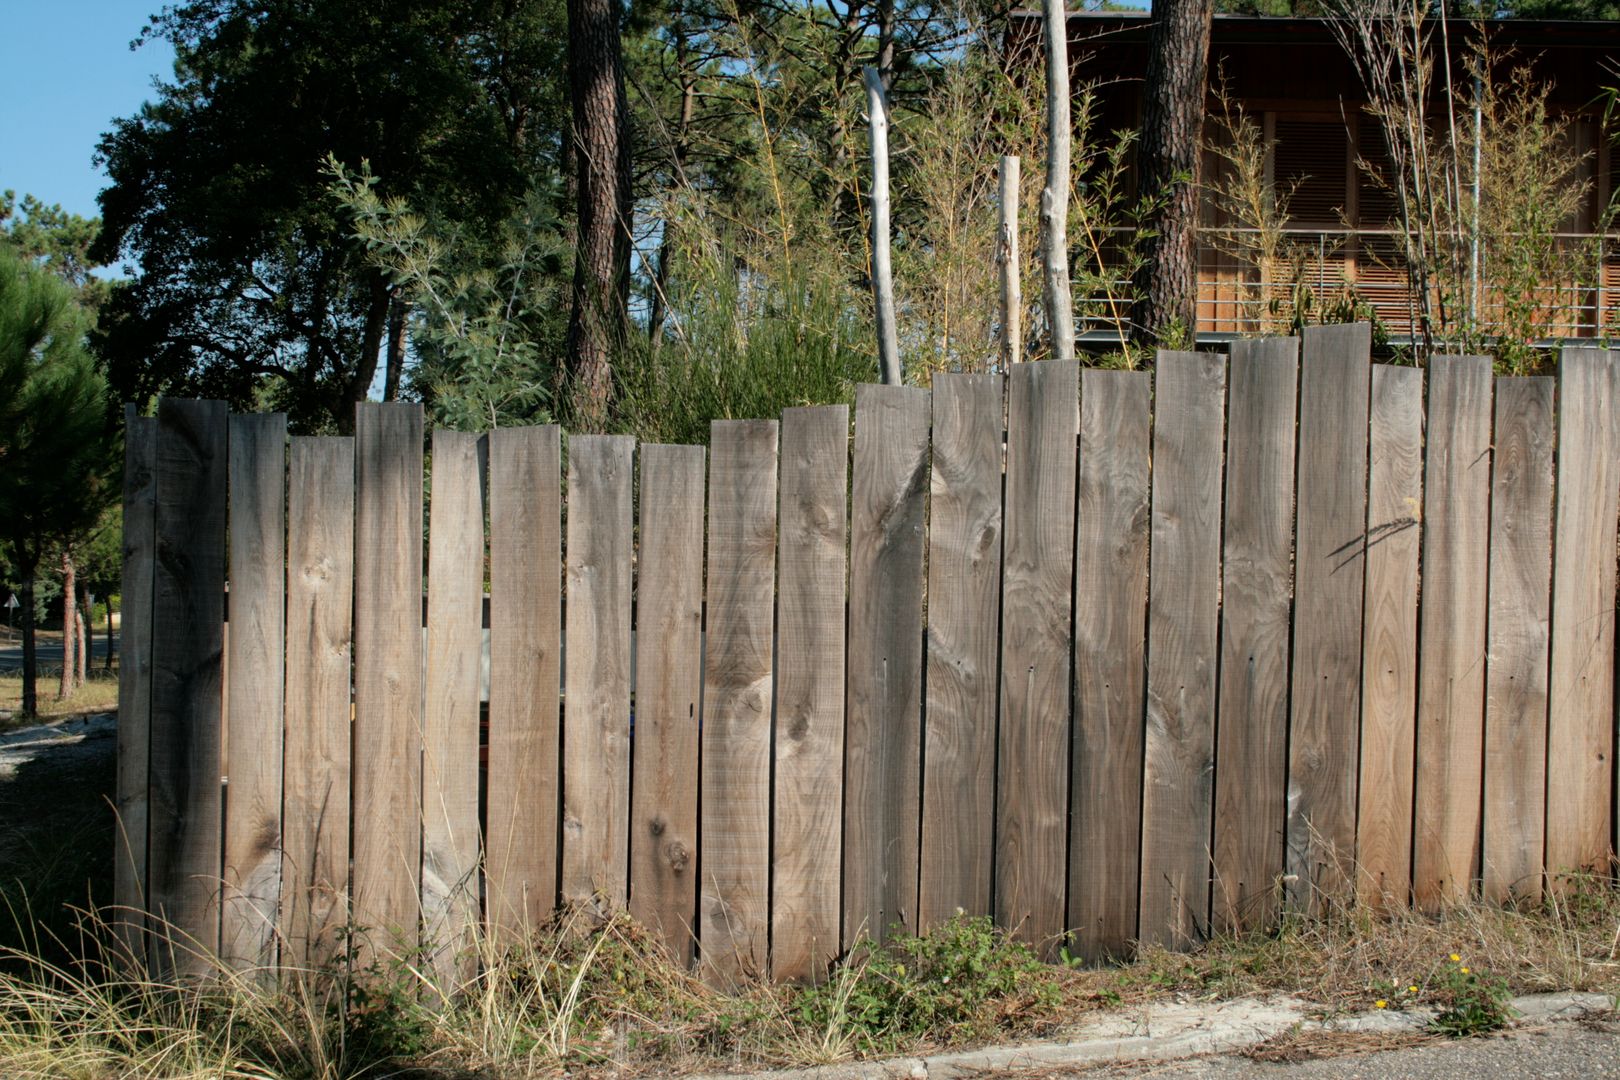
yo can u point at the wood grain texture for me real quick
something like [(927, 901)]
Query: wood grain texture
[(135, 684), (450, 722), (257, 573), (1580, 730), (813, 531), (669, 653), (1112, 533), (734, 841), (964, 592), (596, 719), (1256, 604), (525, 631), (387, 841), (1389, 638), (1037, 651), (320, 621), (1329, 542), (1518, 636), (1451, 631), (1178, 773), (187, 671), (883, 729)]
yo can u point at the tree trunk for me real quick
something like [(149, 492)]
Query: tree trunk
[(371, 337), (1055, 197), (1168, 157), (1012, 295), (69, 620), (877, 107), (601, 293), (28, 568), (678, 157), (398, 308), (110, 653), (81, 636)]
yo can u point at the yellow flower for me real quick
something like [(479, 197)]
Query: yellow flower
[(1411, 989), (1381, 1004), (1465, 971), (1455, 959)]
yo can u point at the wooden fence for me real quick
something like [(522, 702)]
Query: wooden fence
[(1114, 655)]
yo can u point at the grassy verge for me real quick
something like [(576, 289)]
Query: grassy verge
[(99, 694)]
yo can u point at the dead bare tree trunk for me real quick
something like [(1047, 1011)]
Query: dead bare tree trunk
[(877, 107), (1168, 155), (1012, 293), (1058, 299)]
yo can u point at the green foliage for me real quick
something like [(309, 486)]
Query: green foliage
[(959, 982), (1471, 1002)]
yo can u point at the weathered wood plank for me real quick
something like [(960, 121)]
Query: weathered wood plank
[(669, 652), (320, 620), (387, 841), (135, 683), (808, 819), (1451, 631), (883, 726), (734, 842), (1580, 735), (258, 532), (1178, 774), (1331, 521), (450, 723), (1110, 668), (525, 630), (1389, 637), (1517, 640), (596, 719), (1043, 420), (187, 668), (1256, 589), (962, 685)]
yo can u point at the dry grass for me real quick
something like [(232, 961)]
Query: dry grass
[(99, 694)]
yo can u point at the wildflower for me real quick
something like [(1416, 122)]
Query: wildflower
[(1411, 989), (1465, 971), (1455, 959), (1381, 1004)]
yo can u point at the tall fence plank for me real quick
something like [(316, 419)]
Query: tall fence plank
[(1256, 597), (596, 717), (525, 631), (455, 646), (387, 841), (808, 818), (1518, 638), (1451, 679), (135, 682), (1581, 692), (253, 745), (1178, 775), (669, 655), (964, 590), (187, 670), (1112, 531), (1389, 637), (1043, 420), (735, 808), (883, 726), (1330, 522), (320, 614)]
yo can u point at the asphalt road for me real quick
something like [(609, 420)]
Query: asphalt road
[(50, 652)]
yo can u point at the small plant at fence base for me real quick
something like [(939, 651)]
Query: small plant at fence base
[(1472, 1002)]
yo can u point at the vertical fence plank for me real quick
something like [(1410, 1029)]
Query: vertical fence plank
[(1581, 693), (253, 745), (1451, 679), (808, 818), (187, 668), (1256, 587), (525, 628), (736, 798), (320, 612), (1178, 775), (387, 840), (135, 682), (1112, 533), (883, 726), (1518, 636), (669, 651), (455, 645), (964, 604), (596, 717), (1389, 637), (1043, 420), (1331, 520)]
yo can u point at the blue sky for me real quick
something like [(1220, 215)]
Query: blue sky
[(66, 71)]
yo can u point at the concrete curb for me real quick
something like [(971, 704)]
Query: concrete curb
[(1168, 1031)]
